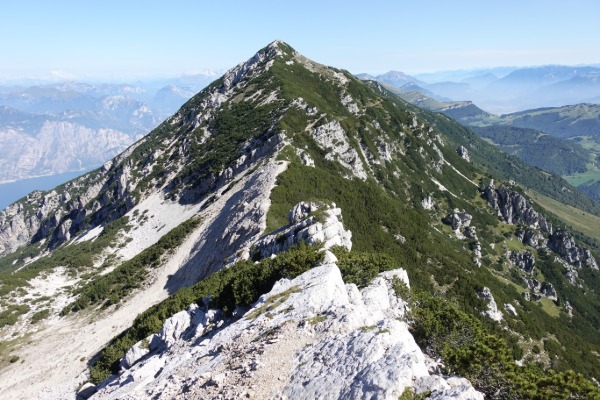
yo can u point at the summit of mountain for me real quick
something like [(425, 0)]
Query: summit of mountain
[(294, 231)]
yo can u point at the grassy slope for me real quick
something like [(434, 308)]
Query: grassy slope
[(582, 221)]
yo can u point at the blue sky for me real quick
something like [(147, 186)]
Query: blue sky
[(130, 38)]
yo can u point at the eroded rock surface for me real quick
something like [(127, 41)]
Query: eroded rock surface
[(513, 208), (320, 338), (309, 222)]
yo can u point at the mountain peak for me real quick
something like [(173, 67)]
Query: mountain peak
[(275, 49), (277, 44)]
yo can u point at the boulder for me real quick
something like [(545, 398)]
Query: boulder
[(174, 327), (86, 391), (135, 353), (510, 309), (547, 289), (457, 219), (463, 153), (492, 311)]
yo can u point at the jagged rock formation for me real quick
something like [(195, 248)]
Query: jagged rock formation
[(534, 284), (460, 222), (565, 246), (332, 136), (547, 289), (41, 213), (531, 237), (428, 203), (513, 208), (538, 289), (320, 339), (458, 219), (523, 260)]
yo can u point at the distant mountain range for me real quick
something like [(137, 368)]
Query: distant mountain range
[(60, 127), (507, 89)]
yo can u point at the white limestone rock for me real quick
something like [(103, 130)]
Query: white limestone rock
[(428, 203), (311, 223), (460, 389), (86, 391), (378, 362), (463, 153), (492, 311), (135, 353), (332, 137), (356, 348), (510, 309), (458, 219), (174, 327)]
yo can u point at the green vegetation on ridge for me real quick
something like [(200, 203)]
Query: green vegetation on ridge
[(114, 286)]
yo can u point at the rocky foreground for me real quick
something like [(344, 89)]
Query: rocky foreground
[(310, 337)]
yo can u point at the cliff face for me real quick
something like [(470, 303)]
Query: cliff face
[(55, 216)]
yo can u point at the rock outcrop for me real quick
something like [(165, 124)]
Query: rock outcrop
[(460, 222), (428, 203), (457, 220), (547, 289), (537, 232), (492, 311), (531, 237), (564, 245), (510, 309), (538, 289), (523, 260), (513, 208), (320, 339), (331, 136), (463, 153), (309, 222)]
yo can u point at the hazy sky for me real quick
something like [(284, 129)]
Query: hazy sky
[(130, 38)]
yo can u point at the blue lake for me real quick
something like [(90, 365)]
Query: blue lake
[(11, 192)]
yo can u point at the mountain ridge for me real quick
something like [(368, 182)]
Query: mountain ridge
[(272, 133)]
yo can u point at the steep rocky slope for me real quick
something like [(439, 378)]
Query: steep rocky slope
[(168, 248)]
